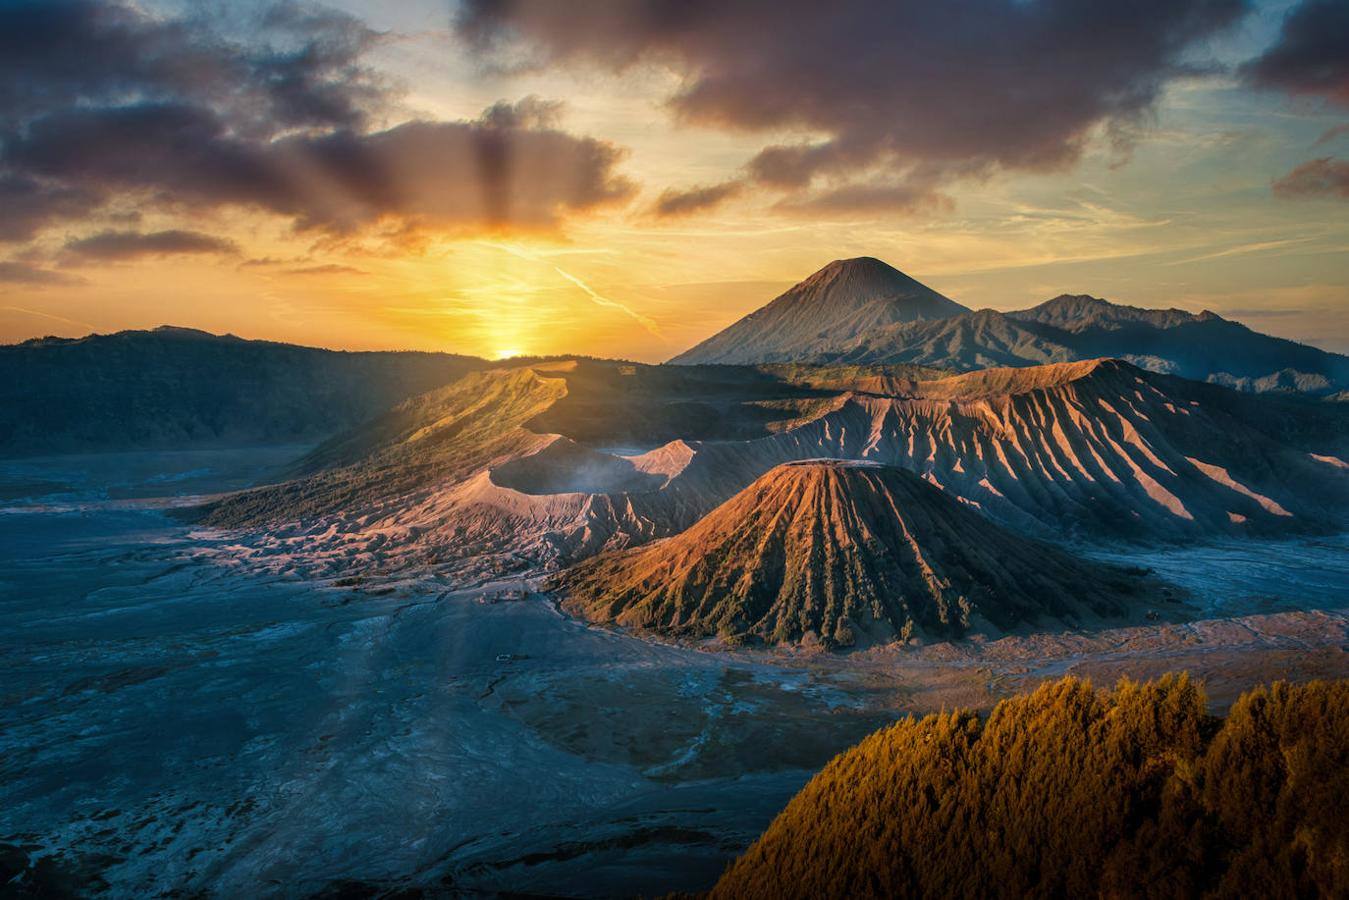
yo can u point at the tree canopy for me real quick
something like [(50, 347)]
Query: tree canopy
[(1071, 791)]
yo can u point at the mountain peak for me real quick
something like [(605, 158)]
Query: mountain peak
[(862, 274), (857, 264), (188, 333), (1075, 301), (835, 305), (1081, 312), (854, 262)]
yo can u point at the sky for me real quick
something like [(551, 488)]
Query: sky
[(623, 179)]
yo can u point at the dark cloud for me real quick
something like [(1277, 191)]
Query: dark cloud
[(15, 272), (911, 93), (1311, 55), (528, 112), (868, 197), (169, 153), (297, 65), (320, 80), (102, 103), (55, 54), (120, 245), (27, 204), (674, 203), (1323, 177), (449, 174)]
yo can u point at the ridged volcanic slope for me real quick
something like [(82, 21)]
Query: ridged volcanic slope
[(530, 465), (843, 550)]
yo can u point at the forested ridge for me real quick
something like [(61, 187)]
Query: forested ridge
[(1071, 791)]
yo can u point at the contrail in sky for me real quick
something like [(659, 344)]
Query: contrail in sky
[(34, 312), (598, 299), (645, 322)]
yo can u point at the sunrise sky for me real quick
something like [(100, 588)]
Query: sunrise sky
[(625, 178)]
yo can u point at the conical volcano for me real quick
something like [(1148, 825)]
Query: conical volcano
[(830, 309), (846, 552)]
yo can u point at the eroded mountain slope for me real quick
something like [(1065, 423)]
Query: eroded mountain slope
[(843, 551), (545, 465)]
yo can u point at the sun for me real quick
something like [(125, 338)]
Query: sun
[(508, 353)]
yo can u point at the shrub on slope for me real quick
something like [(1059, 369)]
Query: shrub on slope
[(1071, 792)]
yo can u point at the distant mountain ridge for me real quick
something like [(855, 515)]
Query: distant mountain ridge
[(1202, 346), (1082, 312), (180, 387), (845, 299)]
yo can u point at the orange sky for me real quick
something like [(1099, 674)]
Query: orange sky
[(1186, 217)]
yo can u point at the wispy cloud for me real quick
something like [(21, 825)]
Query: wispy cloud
[(1257, 247), (327, 269), (1333, 133), (110, 246)]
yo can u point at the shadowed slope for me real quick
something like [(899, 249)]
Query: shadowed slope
[(179, 388), (1203, 346), (536, 424), (842, 550), (445, 435), (845, 299), (963, 343)]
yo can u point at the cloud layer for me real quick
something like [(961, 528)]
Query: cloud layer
[(901, 97), (101, 102), (673, 203), (18, 272), (447, 174), (1310, 58), (1323, 177), (1311, 55), (121, 245)]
